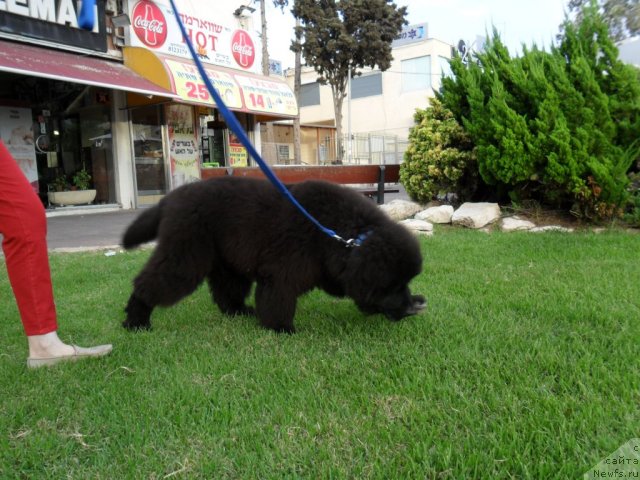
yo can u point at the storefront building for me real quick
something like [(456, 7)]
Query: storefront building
[(124, 101)]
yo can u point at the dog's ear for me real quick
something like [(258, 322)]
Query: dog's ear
[(362, 272), (371, 267)]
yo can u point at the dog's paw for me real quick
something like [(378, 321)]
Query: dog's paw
[(243, 311), (133, 326), (289, 330), (246, 312)]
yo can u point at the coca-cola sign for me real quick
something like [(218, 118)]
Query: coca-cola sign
[(213, 32), (149, 24), (242, 49)]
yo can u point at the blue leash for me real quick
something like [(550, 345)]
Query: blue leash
[(86, 17), (86, 20)]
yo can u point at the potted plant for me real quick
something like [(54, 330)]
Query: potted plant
[(76, 193), (60, 184), (82, 179)]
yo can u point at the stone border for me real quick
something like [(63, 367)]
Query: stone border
[(478, 216)]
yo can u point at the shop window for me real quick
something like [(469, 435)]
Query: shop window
[(70, 128)]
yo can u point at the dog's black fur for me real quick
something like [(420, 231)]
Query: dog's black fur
[(234, 231)]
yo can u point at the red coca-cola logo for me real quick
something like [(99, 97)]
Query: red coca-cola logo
[(242, 49), (149, 24)]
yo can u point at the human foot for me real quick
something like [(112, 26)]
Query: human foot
[(48, 349), (76, 353)]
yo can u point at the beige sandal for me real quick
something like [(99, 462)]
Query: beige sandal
[(78, 353)]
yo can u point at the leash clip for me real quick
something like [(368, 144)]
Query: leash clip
[(353, 242)]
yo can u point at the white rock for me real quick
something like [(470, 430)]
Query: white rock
[(476, 215), (400, 209), (418, 226), (512, 224), (551, 228), (441, 214)]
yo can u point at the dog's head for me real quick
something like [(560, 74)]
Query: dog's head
[(379, 271)]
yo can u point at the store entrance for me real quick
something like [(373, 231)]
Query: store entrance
[(151, 176), (213, 148)]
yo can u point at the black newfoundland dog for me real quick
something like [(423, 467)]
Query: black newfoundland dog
[(236, 231)]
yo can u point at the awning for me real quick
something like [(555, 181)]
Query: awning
[(241, 91), (70, 67)]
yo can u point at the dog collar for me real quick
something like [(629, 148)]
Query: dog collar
[(359, 240)]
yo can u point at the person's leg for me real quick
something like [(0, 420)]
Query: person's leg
[(23, 225)]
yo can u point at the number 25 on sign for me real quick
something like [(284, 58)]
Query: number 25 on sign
[(197, 91)]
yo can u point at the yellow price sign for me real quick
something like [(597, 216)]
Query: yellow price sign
[(190, 87)]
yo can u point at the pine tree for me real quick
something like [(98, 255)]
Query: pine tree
[(555, 126)]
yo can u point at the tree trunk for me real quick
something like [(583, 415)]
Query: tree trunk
[(338, 98), (297, 80), (268, 144), (263, 31)]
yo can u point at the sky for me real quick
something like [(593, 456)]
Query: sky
[(517, 21)]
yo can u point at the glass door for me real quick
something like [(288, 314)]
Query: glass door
[(150, 172), (217, 143)]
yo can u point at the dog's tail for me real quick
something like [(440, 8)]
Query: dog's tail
[(143, 229)]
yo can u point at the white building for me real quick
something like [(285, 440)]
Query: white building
[(382, 104), (629, 50)]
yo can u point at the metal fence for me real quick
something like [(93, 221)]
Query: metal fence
[(361, 149), (377, 149)]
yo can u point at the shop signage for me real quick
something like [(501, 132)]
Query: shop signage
[(183, 147), (244, 53), (154, 26), (54, 21), (190, 87), (410, 34), (237, 152), (263, 95), (149, 24), (260, 94)]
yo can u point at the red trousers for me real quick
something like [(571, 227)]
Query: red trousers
[(23, 224)]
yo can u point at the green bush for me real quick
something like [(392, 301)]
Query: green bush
[(557, 127), (440, 158), (633, 209)]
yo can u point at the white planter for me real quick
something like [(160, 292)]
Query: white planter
[(72, 197)]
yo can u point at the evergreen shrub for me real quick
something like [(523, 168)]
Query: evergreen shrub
[(440, 158), (558, 127)]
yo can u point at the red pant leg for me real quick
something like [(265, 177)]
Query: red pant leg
[(23, 225)]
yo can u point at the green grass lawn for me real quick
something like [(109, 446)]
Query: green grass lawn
[(525, 365)]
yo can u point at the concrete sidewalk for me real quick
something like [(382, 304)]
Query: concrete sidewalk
[(88, 231)]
